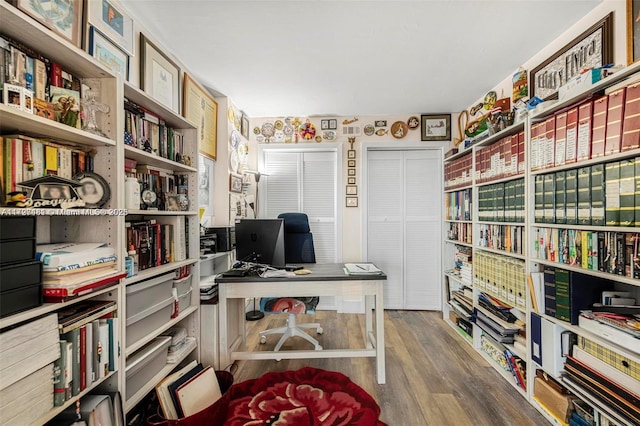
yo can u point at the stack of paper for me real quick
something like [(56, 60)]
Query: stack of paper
[(361, 269)]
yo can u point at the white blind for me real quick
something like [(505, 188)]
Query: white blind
[(281, 188)]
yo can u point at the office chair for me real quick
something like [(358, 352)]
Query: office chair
[(298, 242)]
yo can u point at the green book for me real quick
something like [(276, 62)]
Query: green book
[(627, 192), (509, 201), (560, 197), (637, 194), (563, 300), (549, 198), (612, 193), (584, 195), (571, 196), (594, 251), (597, 194), (520, 211), (500, 202), (482, 203), (539, 199)]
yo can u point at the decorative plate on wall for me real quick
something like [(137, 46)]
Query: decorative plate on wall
[(231, 115), (278, 124), (369, 130), (288, 130), (413, 122), (278, 136), (399, 129), (256, 130), (234, 161), (234, 139), (329, 135), (268, 130)]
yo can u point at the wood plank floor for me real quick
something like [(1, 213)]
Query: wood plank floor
[(433, 376)]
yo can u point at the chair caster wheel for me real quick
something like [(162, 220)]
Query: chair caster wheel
[(278, 359), (263, 340), (318, 348), (319, 330)]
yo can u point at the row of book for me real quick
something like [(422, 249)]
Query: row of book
[(462, 260), (462, 232), (502, 202), (147, 131), (502, 277), (507, 238), (605, 126), (158, 241), (459, 172), (160, 189), (501, 159), (505, 359), (458, 205), (604, 251)]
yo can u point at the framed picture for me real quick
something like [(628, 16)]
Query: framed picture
[(201, 109), (436, 127), (206, 167), (352, 201), (333, 124), (159, 75), (381, 123), (324, 124), (351, 154), (108, 54), (351, 180), (351, 163), (352, 190), (235, 183), (351, 172), (244, 128), (12, 95), (112, 21), (172, 203), (94, 191), (62, 17), (633, 31)]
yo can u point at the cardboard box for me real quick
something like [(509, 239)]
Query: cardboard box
[(453, 317), (558, 404)]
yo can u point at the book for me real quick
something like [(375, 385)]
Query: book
[(572, 135), (560, 197), (114, 343), (172, 387), (59, 293), (583, 149), (627, 185), (162, 389), (539, 199), (199, 392), (612, 193), (73, 336), (82, 313), (599, 126), (549, 198), (615, 116), (76, 268), (584, 195), (60, 376), (103, 349), (78, 276), (65, 254), (561, 139), (631, 121), (597, 194), (362, 269)]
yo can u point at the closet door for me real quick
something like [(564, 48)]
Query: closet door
[(281, 187)]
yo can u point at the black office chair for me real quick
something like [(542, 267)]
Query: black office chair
[(298, 241)]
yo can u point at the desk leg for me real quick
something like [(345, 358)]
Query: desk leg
[(223, 325), (380, 359), (368, 320)]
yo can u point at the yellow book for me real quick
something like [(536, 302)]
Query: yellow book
[(51, 159), (585, 250)]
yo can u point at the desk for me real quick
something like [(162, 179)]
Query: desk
[(324, 280)]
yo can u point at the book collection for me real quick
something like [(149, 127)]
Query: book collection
[(461, 232), (502, 202), (463, 264), (158, 241), (501, 159), (509, 238), (593, 129), (502, 277), (147, 131), (505, 359), (458, 205), (458, 173), (604, 251), (158, 189)]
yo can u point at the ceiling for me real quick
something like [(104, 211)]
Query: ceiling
[(277, 58)]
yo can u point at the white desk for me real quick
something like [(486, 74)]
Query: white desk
[(325, 280)]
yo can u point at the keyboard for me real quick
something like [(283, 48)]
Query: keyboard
[(240, 272)]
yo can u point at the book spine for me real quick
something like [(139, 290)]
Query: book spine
[(612, 193), (584, 196), (599, 129), (59, 370), (560, 197), (83, 357), (627, 192), (597, 194), (615, 115), (584, 131)]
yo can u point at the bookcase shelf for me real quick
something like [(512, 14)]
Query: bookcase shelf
[(146, 158), (631, 229), (457, 221), (151, 272), (459, 243), (457, 279), (160, 213), (513, 129), (149, 337), (458, 188), (605, 275), (142, 99), (598, 160), (488, 222), (502, 252)]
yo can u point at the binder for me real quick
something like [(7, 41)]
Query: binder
[(631, 122), (627, 192), (584, 195), (583, 149), (499, 203), (571, 196), (535, 145), (612, 193), (550, 142), (637, 193), (561, 139), (198, 392), (560, 197), (521, 150), (599, 126), (520, 200), (179, 382), (597, 194), (539, 199), (536, 338), (549, 198), (615, 116), (562, 295), (572, 135)]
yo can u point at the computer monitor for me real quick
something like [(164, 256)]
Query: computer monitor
[(260, 241)]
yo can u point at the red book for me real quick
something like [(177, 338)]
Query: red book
[(599, 126), (561, 138), (83, 357), (583, 150), (537, 144), (572, 135), (520, 152), (60, 294), (55, 75), (505, 144), (515, 161), (550, 142), (615, 114), (631, 124)]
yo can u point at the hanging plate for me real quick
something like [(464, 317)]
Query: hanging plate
[(234, 161), (288, 130), (234, 139), (278, 136), (329, 135), (413, 122), (399, 129), (369, 130), (278, 124)]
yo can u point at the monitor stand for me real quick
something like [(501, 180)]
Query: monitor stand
[(255, 314)]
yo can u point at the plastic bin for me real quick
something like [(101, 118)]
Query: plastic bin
[(20, 299), (145, 294), (184, 301), (12, 228), (143, 365), (19, 275), (144, 323), (13, 251)]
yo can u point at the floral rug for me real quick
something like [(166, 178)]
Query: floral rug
[(308, 396)]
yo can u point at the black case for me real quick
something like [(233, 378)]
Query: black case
[(225, 237), (13, 251), (20, 275), (20, 299), (17, 227)]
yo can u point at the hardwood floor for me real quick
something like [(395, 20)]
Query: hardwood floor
[(433, 376)]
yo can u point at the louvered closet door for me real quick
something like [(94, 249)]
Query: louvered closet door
[(281, 188)]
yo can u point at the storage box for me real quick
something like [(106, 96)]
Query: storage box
[(558, 404), (143, 323), (454, 317), (20, 299), (183, 287), (13, 251), (19, 275), (148, 293), (184, 301), (18, 227), (143, 365)]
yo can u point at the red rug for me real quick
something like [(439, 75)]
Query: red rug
[(308, 396)]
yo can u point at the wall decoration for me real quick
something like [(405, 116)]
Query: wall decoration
[(279, 136), (369, 130), (413, 122), (352, 190), (347, 122), (381, 123), (231, 115), (351, 163), (53, 192), (351, 154), (235, 183), (62, 17), (490, 100), (592, 48), (201, 109), (477, 127), (520, 85), (206, 167), (333, 124), (159, 75), (381, 132), (108, 54), (351, 172), (324, 124), (267, 130), (234, 139), (463, 119), (330, 135), (399, 129), (633, 31), (113, 22), (307, 130), (279, 124), (436, 127), (244, 128), (66, 106), (318, 138), (352, 201), (474, 109), (234, 161), (91, 106), (351, 180), (237, 207)]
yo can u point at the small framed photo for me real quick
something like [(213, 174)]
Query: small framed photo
[(351, 172), (333, 124), (159, 75), (12, 96), (173, 203), (351, 154), (436, 127), (381, 123), (113, 22), (352, 201), (27, 101), (235, 183), (244, 126), (351, 180), (94, 191), (352, 190), (324, 124), (108, 53), (351, 163)]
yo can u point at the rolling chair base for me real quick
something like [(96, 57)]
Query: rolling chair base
[(290, 330)]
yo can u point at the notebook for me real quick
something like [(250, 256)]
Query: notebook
[(199, 392)]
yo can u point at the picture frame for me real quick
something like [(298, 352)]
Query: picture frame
[(201, 109), (351, 180), (352, 190), (380, 123), (435, 127), (592, 48), (244, 128), (94, 189), (113, 22), (12, 95), (159, 75), (352, 201), (108, 54), (351, 172), (351, 163), (333, 124), (324, 124), (351, 154), (172, 203), (206, 176), (235, 183), (67, 23), (633, 31)]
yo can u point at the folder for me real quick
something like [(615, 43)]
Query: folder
[(560, 197), (583, 150), (572, 135), (199, 392), (597, 194), (539, 199), (549, 198), (521, 150), (627, 192), (536, 338), (631, 122), (599, 126), (584, 195), (615, 116), (612, 193), (571, 197), (561, 139), (550, 142)]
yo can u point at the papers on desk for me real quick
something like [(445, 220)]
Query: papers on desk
[(361, 269)]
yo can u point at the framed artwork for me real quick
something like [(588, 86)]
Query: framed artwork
[(235, 183), (202, 110), (159, 75), (94, 189), (351, 180), (351, 154), (244, 128), (351, 163), (333, 124), (351, 172), (381, 123), (352, 190), (324, 124), (112, 21), (592, 48), (206, 167), (62, 17), (435, 127), (352, 201), (633, 31), (108, 54)]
